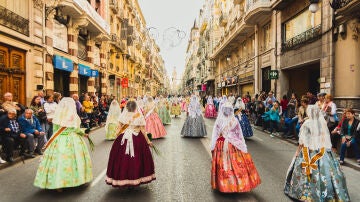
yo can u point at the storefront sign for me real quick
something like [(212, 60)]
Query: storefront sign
[(84, 70), (94, 73), (63, 63), (60, 36), (89, 10), (274, 74), (125, 82)]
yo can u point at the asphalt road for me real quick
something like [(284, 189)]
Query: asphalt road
[(182, 171)]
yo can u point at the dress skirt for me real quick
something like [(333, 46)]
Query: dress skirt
[(175, 110), (111, 131), (327, 182), (164, 115), (124, 170), (245, 125), (239, 176), (183, 106), (65, 163), (210, 111), (194, 127), (155, 126)]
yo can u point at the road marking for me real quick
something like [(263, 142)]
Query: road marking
[(98, 178)]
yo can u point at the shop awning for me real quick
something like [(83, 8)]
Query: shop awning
[(63, 63), (84, 70)]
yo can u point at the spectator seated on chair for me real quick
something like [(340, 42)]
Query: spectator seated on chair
[(31, 127), (10, 134)]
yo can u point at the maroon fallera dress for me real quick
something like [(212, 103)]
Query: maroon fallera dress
[(124, 170)]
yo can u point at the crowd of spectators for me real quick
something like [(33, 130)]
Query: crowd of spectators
[(285, 117), (28, 128)]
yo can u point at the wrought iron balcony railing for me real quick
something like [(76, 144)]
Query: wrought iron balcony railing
[(337, 4), (14, 21), (307, 36)]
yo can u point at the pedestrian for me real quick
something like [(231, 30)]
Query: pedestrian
[(314, 173), (164, 113), (66, 161), (284, 104), (210, 110), (130, 161), (194, 125), (57, 97), (241, 116), (153, 122), (232, 167), (50, 108), (175, 107), (112, 121)]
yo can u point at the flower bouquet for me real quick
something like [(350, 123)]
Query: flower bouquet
[(156, 150)]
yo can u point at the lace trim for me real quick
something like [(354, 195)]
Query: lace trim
[(130, 182)]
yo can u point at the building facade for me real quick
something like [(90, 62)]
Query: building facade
[(77, 46), (280, 46)]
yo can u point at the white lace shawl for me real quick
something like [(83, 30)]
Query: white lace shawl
[(194, 107), (227, 125), (314, 133)]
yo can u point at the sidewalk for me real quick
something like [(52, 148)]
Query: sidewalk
[(18, 158), (349, 162)]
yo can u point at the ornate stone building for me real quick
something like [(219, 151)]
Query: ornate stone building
[(77, 46)]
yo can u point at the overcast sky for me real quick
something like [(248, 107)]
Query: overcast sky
[(168, 21)]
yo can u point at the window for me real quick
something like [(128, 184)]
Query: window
[(301, 23), (252, 45), (82, 52), (20, 7), (267, 41), (60, 36)]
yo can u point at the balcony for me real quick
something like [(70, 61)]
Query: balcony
[(85, 15), (14, 21), (114, 6), (257, 11), (347, 8), (301, 39)]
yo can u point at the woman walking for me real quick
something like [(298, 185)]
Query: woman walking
[(210, 110), (194, 125), (112, 121), (130, 161), (232, 167), (66, 161), (315, 174), (164, 113), (153, 122), (241, 116)]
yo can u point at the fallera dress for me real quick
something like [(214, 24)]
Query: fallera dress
[(194, 125), (164, 113), (314, 173), (130, 161), (153, 122), (232, 168), (66, 161), (210, 110)]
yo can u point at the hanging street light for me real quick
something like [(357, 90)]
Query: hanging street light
[(314, 6)]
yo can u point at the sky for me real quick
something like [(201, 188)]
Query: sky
[(170, 21)]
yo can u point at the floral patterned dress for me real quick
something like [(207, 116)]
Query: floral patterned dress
[(66, 162)]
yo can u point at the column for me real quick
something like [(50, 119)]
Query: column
[(256, 61), (49, 68), (73, 34), (90, 58)]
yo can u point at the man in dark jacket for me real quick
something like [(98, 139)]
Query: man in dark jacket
[(10, 134), (31, 127)]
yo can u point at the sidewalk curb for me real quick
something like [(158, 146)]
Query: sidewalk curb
[(18, 158), (351, 163)]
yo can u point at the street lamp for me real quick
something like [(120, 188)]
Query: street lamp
[(314, 6)]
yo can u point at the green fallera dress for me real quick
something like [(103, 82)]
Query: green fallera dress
[(111, 132), (66, 162)]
